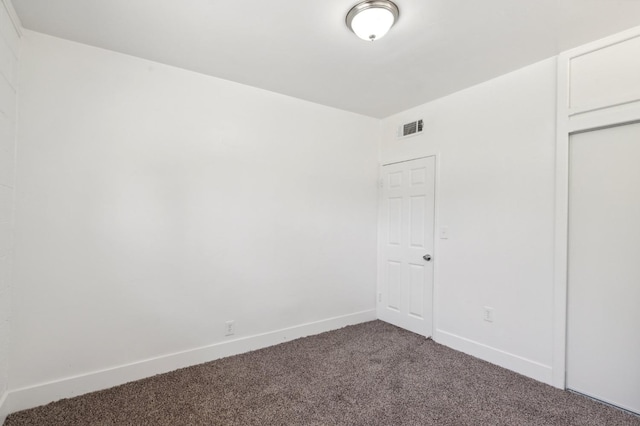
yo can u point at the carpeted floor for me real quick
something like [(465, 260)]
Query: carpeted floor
[(368, 374)]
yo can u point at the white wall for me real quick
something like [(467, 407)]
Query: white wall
[(154, 204), (495, 147), (9, 50)]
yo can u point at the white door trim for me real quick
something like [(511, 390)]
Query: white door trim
[(573, 120)]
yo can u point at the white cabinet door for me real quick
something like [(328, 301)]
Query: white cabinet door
[(603, 333), (406, 244)]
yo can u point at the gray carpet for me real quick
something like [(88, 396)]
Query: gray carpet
[(368, 374)]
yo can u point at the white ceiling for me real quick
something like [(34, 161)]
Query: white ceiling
[(302, 48)]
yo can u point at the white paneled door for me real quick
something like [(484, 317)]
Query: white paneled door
[(603, 323), (407, 204)]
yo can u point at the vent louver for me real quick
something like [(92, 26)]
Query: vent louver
[(411, 128)]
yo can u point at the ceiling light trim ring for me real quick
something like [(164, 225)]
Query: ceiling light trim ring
[(372, 4)]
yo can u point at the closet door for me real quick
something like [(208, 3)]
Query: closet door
[(603, 334)]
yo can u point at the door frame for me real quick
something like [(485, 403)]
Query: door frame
[(572, 120), (436, 248)]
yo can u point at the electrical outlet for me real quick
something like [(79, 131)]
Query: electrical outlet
[(487, 314), (379, 297), (229, 328)]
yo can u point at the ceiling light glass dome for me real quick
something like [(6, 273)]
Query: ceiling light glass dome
[(372, 19)]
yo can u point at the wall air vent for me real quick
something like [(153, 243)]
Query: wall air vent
[(410, 129)]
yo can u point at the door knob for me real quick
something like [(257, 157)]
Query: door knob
[(427, 257)]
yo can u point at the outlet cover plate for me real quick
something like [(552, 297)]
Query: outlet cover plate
[(229, 328), (487, 314)]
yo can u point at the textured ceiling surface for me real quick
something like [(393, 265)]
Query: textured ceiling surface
[(304, 49)]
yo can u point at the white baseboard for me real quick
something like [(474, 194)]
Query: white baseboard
[(524, 366), (44, 393)]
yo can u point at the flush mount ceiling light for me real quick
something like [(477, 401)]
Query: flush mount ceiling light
[(372, 19)]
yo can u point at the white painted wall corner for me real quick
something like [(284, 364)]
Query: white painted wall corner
[(4, 407), (15, 20)]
